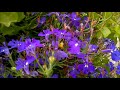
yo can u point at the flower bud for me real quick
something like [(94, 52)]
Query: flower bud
[(44, 66), (13, 68), (51, 59), (61, 45)]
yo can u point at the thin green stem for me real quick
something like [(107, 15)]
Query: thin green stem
[(11, 61), (39, 64)]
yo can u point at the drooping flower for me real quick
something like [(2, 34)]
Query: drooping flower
[(60, 55)]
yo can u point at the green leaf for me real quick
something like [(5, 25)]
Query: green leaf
[(7, 18), (117, 29), (20, 16), (99, 34), (10, 30), (105, 31), (107, 15)]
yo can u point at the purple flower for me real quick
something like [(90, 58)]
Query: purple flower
[(55, 44), (56, 13), (55, 76), (74, 47), (10, 76), (106, 51), (45, 33), (26, 69), (111, 66), (4, 49), (103, 73), (21, 47), (36, 65), (118, 70), (109, 44), (22, 63), (1, 68), (86, 68), (81, 55), (115, 55), (74, 17), (74, 73), (29, 59), (34, 73), (63, 17), (59, 33), (13, 43), (93, 48), (60, 55), (31, 45), (42, 20), (68, 36)]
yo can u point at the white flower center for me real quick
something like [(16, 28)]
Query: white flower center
[(86, 65), (74, 18), (76, 44), (26, 63), (61, 33)]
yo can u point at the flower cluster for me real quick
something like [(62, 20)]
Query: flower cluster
[(68, 47)]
